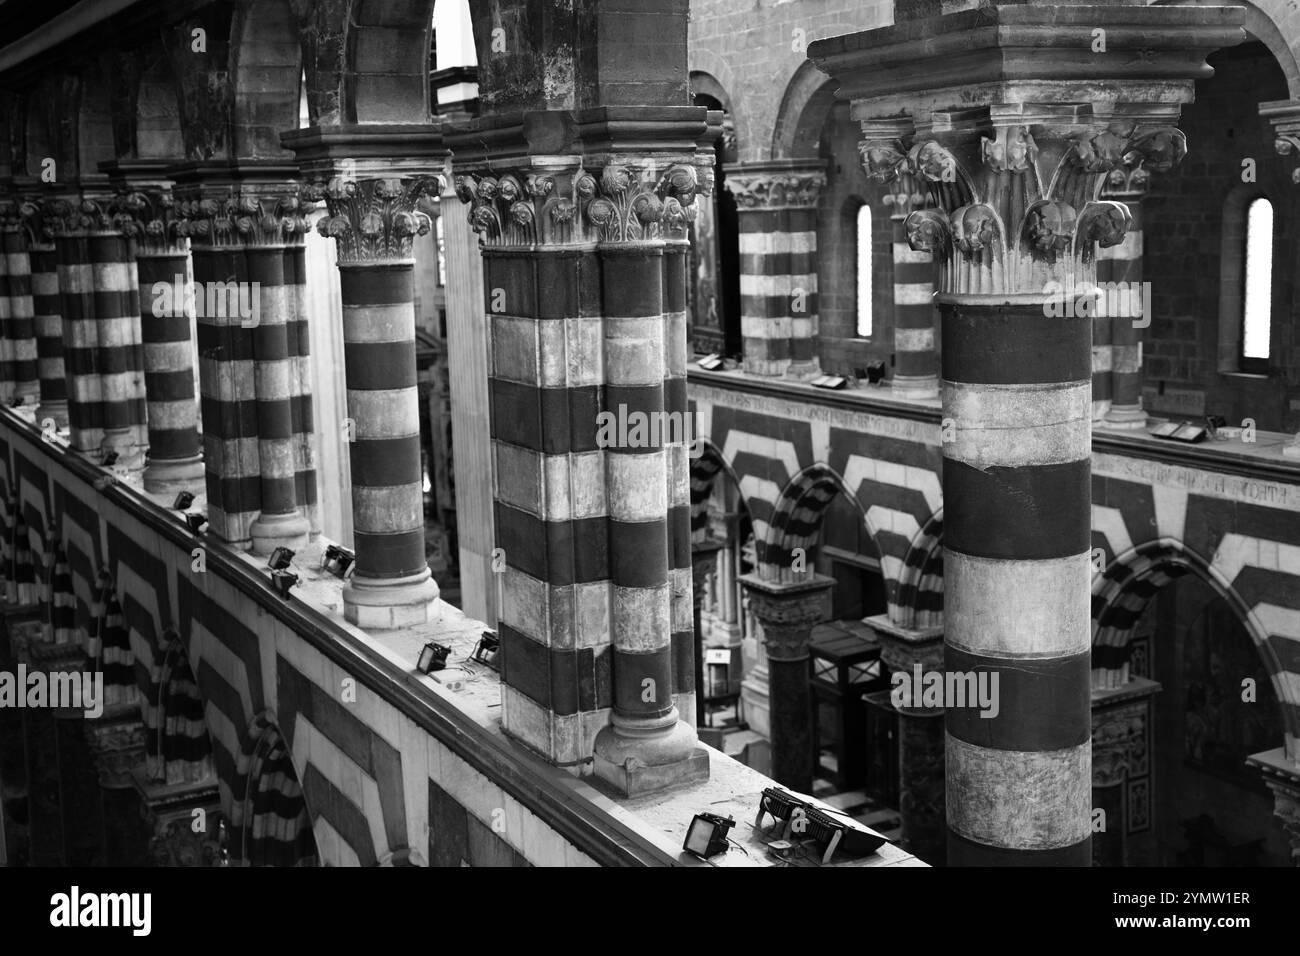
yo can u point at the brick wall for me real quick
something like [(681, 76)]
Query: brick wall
[(1185, 221)]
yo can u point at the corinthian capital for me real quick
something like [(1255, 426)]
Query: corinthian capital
[(780, 184), (241, 215), (373, 220), (149, 218)]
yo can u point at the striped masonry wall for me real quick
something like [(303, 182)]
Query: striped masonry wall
[(546, 362), (275, 369), (13, 244), (1017, 577), (677, 448), (778, 288), (47, 305), (62, 600), (173, 413), (270, 825), (383, 403), (80, 341), (117, 326), (916, 362), (300, 388), (227, 396), (1123, 263)]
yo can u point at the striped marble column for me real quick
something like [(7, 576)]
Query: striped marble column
[(1123, 264), (47, 309), (586, 301), (280, 523), (777, 204), (117, 339), (300, 388), (374, 221), (80, 334), (8, 382), (174, 462), (14, 247)]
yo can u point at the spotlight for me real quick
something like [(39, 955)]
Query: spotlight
[(1213, 423), (195, 521), (282, 581), (707, 835), (875, 372), (433, 657), (183, 500), (338, 560), (487, 648), (280, 559), (110, 460), (18, 401)]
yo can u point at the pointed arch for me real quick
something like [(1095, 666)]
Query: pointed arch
[(177, 746), (270, 823), (920, 587), (797, 518), (704, 470)]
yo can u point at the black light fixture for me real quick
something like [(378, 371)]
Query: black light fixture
[(280, 559), (876, 372), (282, 581), (433, 657), (110, 459), (183, 500), (1213, 423), (338, 560), (195, 521), (487, 648), (18, 401), (707, 835)]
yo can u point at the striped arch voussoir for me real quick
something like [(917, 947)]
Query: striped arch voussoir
[(797, 519), (270, 824)]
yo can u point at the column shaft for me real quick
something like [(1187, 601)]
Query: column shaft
[(678, 440), (299, 344), (48, 308), (916, 364), (21, 316), (117, 340), (1123, 263), (8, 382), (80, 340)]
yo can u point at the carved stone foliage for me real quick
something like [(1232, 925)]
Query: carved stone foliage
[(776, 190), (149, 217), (373, 220), (1119, 746), (883, 159), (787, 616), (175, 843), (242, 218), (624, 202)]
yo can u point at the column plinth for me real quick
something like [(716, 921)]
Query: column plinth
[(787, 612)]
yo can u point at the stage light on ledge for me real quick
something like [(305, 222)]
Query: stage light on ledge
[(707, 835), (110, 460), (280, 559), (338, 560), (183, 500), (433, 657), (282, 581), (195, 521), (487, 648)]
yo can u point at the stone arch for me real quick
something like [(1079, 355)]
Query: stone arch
[(61, 598), (711, 75), (1121, 592), (95, 142), (1262, 19), (805, 106), (704, 471), (21, 586), (797, 518), (50, 126), (177, 746), (269, 821), (108, 647), (388, 61), (266, 76), (920, 587), (157, 112)]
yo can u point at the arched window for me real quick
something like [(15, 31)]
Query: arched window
[(864, 270), (1258, 286)]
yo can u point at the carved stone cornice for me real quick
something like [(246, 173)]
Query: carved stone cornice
[(116, 742), (37, 223), (775, 185), (373, 220), (246, 216), (787, 612), (902, 648), (630, 200), (1282, 776)]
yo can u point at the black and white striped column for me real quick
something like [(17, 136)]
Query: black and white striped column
[(374, 222), (1123, 264), (22, 329), (8, 382), (175, 461), (300, 385), (117, 349), (777, 205), (47, 308), (916, 362), (80, 335)]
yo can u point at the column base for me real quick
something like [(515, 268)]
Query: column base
[(635, 757), (27, 395), (170, 475), (802, 371), (1126, 416), (389, 603), (269, 532), (1292, 450), (1100, 408), (123, 443), (55, 410), (915, 386)]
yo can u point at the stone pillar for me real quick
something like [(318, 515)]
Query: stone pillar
[(1015, 235), (1282, 775), (371, 183), (704, 562), (1122, 774), (777, 205), (916, 364), (184, 821), (1284, 116), (1123, 264), (21, 325), (47, 309), (920, 737), (80, 338), (787, 612), (175, 461), (467, 372), (117, 744)]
